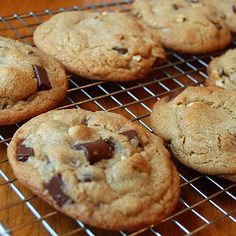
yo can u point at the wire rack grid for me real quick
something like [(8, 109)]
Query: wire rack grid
[(205, 201)]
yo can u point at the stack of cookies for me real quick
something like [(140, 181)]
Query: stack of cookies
[(99, 167)]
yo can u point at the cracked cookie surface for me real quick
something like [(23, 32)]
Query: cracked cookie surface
[(222, 71), (30, 82), (201, 127), (102, 46), (227, 10), (97, 167), (184, 25)]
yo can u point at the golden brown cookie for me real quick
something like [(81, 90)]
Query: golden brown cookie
[(101, 46), (30, 82), (97, 167), (200, 124), (187, 26)]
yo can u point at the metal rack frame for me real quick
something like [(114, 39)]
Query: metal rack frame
[(178, 72)]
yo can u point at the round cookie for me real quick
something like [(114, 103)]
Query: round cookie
[(101, 46), (184, 25), (201, 127), (227, 11), (222, 71), (31, 82), (97, 167)]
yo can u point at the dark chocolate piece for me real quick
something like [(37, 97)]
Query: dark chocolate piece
[(41, 76), (96, 151), (54, 187), (120, 50), (30, 52), (130, 134), (23, 153)]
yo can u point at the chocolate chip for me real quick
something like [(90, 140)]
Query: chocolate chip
[(30, 52), (120, 50), (23, 153), (175, 7), (41, 76), (96, 151), (130, 134), (54, 187), (234, 9)]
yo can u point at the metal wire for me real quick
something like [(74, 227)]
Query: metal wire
[(134, 100)]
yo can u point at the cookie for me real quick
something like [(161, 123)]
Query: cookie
[(200, 124), (222, 71), (31, 82), (101, 46), (97, 167), (227, 11), (184, 25)]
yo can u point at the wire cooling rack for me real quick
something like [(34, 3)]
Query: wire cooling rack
[(207, 204)]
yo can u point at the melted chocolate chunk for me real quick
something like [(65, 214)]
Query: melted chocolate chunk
[(130, 134), (120, 50), (175, 7), (54, 187), (41, 76), (234, 9), (23, 153), (96, 151)]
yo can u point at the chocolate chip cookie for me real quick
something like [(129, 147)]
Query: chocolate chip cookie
[(227, 11), (97, 167), (200, 123), (222, 71), (31, 82), (184, 25), (101, 46)]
